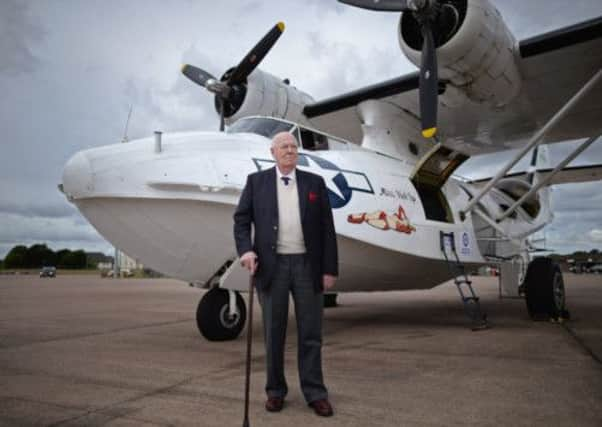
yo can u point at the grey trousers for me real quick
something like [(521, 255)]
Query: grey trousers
[(293, 275)]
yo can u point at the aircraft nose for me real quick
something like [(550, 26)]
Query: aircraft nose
[(77, 177)]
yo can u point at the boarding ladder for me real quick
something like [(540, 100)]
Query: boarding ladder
[(470, 300)]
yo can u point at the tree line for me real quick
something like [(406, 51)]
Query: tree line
[(579, 256), (40, 255)]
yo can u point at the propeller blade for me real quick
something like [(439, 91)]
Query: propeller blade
[(383, 5), (221, 114), (196, 74), (254, 57), (428, 83)]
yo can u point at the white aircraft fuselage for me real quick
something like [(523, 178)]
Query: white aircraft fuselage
[(172, 208), (399, 212)]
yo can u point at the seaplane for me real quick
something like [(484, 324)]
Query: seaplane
[(388, 154)]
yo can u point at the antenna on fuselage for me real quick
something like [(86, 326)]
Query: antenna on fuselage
[(127, 123)]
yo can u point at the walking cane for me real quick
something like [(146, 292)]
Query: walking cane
[(245, 422)]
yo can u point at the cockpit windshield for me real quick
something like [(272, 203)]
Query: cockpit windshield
[(260, 125)]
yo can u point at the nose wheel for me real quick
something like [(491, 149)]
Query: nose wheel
[(213, 317)]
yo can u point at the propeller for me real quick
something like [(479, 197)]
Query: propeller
[(231, 88), (429, 84), (387, 5), (427, 13)]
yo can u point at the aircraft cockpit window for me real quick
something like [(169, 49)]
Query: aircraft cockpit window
[(261, 126), (313, 141)]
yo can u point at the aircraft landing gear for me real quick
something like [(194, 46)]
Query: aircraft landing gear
[(544, 289), (213, 316)]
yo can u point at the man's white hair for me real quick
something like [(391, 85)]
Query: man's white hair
[(283, 136)]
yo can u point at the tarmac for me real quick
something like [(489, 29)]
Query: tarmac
[(86, 351)]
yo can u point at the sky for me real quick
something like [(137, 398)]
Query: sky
[(71, 69)]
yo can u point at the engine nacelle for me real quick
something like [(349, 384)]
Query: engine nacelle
[(475, 52), (267, 95)]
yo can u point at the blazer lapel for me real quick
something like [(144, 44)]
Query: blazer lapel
[(302, 191), (272, 194)]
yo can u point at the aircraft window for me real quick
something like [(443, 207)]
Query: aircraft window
[(313, 141), (262, 126)]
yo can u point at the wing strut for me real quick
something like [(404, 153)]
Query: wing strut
[(533, 142), (548, 178)]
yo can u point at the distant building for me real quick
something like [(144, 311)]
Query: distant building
[(128, 263), (105, 265), (97, 259)]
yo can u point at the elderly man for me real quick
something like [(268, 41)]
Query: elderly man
[(294, 250)]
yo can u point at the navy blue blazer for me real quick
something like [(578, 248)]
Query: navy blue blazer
[(258, 205)]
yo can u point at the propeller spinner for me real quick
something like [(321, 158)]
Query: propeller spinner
[(230, 89)]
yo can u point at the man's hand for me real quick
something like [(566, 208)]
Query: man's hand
[(249, 261), (328, 281)]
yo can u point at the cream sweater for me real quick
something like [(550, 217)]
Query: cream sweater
[(290, 233)]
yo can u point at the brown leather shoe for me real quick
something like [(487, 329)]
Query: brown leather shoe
[(322, 407), (274, 404)]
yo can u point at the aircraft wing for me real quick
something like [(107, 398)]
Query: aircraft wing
[(568, 175), (553, 66)]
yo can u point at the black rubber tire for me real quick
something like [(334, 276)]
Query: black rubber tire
[(211, 316), (544, 290), (330, 300)]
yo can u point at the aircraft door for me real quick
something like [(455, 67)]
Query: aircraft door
[(429, 176)]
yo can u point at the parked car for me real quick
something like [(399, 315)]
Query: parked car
[(48, 272), (596, 268)]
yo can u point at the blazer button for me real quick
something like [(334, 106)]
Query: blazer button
[(275, 227)]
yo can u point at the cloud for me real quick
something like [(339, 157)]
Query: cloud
[(596, 235), (37, 209), (18, 228), (19, 32), (63, 93), (57, 232)]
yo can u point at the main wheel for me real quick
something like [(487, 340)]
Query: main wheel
[(544, 288), (213, 316)]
